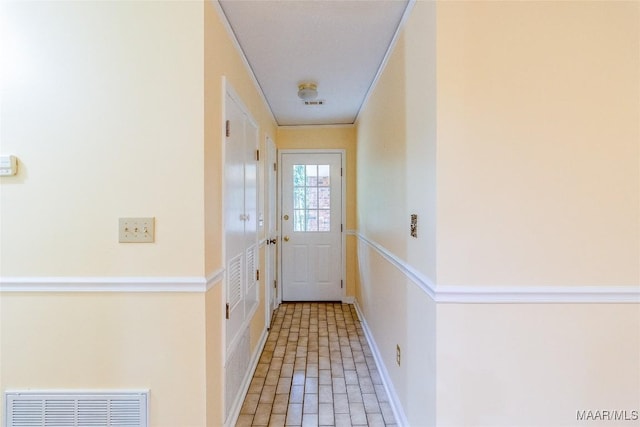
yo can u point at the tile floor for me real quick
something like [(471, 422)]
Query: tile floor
[(316, 369)]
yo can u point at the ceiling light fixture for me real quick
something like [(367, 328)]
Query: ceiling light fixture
[(307, 91)]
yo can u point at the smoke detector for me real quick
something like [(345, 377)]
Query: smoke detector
[(307, 91)]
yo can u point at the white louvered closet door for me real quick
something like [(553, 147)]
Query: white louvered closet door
[(251, 215), (240, 219)]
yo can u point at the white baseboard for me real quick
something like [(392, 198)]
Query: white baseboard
[(394, 400), (246, 382)]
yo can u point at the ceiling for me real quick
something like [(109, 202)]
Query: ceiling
[(338, 44)]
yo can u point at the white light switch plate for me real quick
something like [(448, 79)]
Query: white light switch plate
[(8, 165), (137, 230)]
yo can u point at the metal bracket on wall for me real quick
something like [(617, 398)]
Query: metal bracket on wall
[(414, 225)]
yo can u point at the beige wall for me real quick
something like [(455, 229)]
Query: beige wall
[(420, 128), (533, 183), (536, 364), (331, 137), (396, 178), (221, 59), (397, 148), (517, 126), (382, 159), (398, 313), (538, 184), (102, 105), (102, 341), (538, 171), (115, 109)]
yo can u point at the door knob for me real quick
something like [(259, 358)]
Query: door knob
[(286, 238), (286, 217)]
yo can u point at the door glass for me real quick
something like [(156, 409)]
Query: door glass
[(311, 198)]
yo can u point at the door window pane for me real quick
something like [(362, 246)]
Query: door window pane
[(312, 220), (299, 175), (299, 222), (324, 220), (311, 198), (299, 197), (324, 198), (323, 175), (312, 175)]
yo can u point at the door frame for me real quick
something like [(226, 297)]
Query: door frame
[(271, 188), (343, 213)]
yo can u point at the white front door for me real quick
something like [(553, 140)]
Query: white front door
[(311, 226)]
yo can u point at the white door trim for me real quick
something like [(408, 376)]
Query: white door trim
[(343, 213), (270, 225)]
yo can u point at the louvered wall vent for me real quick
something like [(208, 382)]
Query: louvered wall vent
[(76, 409)]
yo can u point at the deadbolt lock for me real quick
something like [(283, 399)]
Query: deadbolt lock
[(286, 217), (286, 238)]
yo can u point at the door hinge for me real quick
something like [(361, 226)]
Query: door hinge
[(340, 171), (227, 311), (257, 155), (341, 284), (341, 228), (257, 274), (275, 167), (228, 128)]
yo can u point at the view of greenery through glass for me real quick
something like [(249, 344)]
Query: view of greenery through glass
[(311, 198)]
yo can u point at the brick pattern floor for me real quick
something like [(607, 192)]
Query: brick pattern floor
[(316, 369)]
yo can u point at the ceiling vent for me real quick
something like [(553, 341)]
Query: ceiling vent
[(314, 102)]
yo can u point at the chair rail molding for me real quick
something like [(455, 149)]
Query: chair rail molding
[(111, 284), (542, 294)]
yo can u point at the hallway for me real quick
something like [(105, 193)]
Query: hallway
[(316, 369)]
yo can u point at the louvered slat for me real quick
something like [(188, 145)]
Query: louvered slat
[(251, 267), (59, 412), (234, 281), (93, 412), (124, 413), (88, 409), (28, 413)]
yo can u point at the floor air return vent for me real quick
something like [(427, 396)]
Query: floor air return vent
[(76, 409)]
